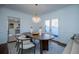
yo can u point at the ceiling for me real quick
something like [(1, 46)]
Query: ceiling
[(33, 9)]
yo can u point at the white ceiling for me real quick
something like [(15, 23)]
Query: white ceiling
[(32, 9)]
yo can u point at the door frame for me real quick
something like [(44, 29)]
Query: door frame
[(8, 23)]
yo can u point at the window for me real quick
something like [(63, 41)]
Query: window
[(54, 27), (51, 26), (47, 26)]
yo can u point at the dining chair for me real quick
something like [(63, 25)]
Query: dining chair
[(25, 43), (17, 41)]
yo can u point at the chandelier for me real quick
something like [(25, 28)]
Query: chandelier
[(36, 18)]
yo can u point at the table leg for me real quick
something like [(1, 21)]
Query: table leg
[(43, 45)]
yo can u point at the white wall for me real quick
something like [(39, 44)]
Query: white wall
[(68, 21), (26, 22), (3, 37)]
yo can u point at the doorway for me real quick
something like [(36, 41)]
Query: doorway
[(13, 28)]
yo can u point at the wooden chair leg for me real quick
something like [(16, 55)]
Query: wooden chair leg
[(34, 50), (19, 51), (16, 45)]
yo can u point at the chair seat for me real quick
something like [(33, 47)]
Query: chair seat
[(26, 42), (22, 38), (27, 46)]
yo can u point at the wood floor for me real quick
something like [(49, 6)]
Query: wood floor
[(3, 49), (53, 49)]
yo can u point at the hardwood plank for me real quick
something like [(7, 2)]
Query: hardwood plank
[(3, 48)]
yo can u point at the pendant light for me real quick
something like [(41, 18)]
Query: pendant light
[(36, 18)]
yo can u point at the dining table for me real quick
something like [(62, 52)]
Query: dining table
[(43, 40)]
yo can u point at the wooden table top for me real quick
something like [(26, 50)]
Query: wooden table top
[(43, 36)]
